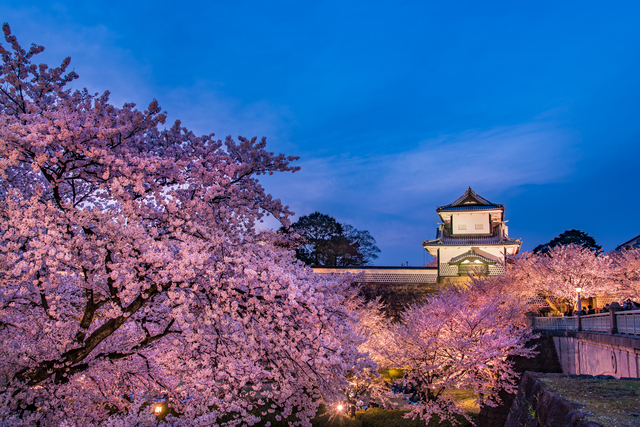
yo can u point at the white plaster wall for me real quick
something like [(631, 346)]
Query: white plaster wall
[(448, 252), (496, 253), (470, 220)]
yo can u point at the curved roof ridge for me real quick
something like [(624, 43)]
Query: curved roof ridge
[(471, 199), (471, 254)]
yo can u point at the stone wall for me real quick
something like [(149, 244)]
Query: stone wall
[(535, 406)]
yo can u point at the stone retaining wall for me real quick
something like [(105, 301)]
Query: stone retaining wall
[(535, 406)]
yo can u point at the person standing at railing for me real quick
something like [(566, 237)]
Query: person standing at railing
[(591, 310), (583, 312)]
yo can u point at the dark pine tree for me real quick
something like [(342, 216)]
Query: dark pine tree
[(575, 237), (327, 242)]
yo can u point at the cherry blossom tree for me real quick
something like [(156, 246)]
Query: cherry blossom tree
[(571, 266), (626, 264), (556, 275), (371, 323), (460, 338), (131, 269)]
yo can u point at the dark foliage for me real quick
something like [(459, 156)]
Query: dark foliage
[(569, 237), (327, 242), (372, 417)]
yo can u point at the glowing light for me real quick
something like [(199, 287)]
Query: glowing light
[(340, 407), (157, 409)]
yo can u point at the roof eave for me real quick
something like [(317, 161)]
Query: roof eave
[(518, 244), (461, 208)]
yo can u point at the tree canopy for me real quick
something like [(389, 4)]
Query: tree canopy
[(555, 275), (325, 241), (460, 338), (131, 269), (569, 237)]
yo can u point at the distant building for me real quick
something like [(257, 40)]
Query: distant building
[(631, 244), (472, 238)]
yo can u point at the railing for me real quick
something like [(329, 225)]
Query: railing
[(628, 322), (618, 322), (596, 322), (496, 230), (556, 323)]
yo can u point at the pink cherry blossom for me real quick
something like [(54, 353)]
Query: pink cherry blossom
[(627, 273), (131, 269), (458, 339), (556, 275)]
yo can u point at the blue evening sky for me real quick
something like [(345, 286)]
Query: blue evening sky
[(393, 107)]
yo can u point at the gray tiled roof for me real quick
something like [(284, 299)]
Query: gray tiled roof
[(470, 200), (633, 243), (468, 208), (472, 241)]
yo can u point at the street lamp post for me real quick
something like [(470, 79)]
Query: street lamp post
[(578, 290)]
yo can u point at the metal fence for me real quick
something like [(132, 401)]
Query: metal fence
[(620, 322)]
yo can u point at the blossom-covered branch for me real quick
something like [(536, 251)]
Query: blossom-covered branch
[(131, 267)]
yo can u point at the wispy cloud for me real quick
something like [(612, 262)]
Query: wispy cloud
[(492, 160)]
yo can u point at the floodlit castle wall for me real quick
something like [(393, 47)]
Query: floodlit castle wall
[(494, 252), (448, 252), (471, 223)]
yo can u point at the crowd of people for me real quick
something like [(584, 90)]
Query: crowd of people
[(628, 304)]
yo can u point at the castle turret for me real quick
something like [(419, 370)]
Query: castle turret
[(472, 237)]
